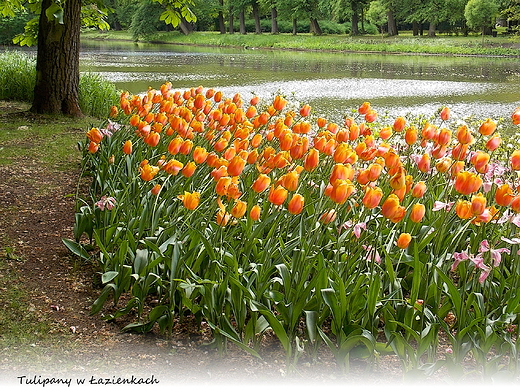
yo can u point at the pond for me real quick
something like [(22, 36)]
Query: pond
[(332, 83)]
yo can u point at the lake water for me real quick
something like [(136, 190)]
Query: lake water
[(332, 83)]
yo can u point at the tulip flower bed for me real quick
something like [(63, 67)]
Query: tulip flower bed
[(260, 217)]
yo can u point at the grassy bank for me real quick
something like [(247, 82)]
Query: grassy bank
[(404, 43)]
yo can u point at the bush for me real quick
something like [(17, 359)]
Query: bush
[(17, 76), (96, 95), (12, 26)]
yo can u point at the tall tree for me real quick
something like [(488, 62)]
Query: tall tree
[(480, 14), (256, 16), (57, 61), (221, 24)]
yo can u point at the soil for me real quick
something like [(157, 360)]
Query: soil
[(36, 212)]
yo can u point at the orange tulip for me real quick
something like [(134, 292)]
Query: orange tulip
[(322, 122), (236, 166), (444, 137), (410, 135), (456, 168), (93, 147), (190, 200), (478, 204), (279, 103), (399, 124), (493, 143), (466, 182), (390, 206), (239, 209), (185, 147), (148, 172), (156, 189), (419, 189), (311, 160), (515, 204), (445, 113), (173, 167), (95, 135), (341, 191), (277, 195), (261, 183), (222, 185), (175, 145), (342, 152), (255, 212), (463, 209), (480, 161), (296, 204), (341, 172), (189, 169), (289, 181), (464, 135), (488, 127), (516, 117), (199, 155), (373, 196), (328, 217), (444, 164), (424, 163), (364, 108), (385, 133), (374, 171), (515, 160), (504, 195), (152, 139), (398, 180), (370, 116), (417, 212), (127, 147), (404, 240), (305, 110)]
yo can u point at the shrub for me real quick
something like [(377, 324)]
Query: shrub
[(96, 95), (17, 76)]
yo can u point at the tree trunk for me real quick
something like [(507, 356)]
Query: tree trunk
[(315, 27), (186, 28), (274, 21), (242, 19), (57, 62), (415, 28), (392, 25), (221, 24), (431, 30), (256, 16), (295, 26), (231, 27), (355, 19)]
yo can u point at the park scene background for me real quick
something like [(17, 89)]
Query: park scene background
[(332, 215)]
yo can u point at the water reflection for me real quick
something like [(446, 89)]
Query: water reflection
[(333, 82)]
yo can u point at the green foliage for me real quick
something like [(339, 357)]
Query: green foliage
[(480, 14), (10, 26), (17, 76), (96, 95)]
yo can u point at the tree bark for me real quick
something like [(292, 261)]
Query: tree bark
[(315, 27), (242, 20), (392, 25), (355, 19), (415, 28), (431, 30), (57, 63), (274, 21), (295, 26), (231, 27), (256, 16), (221, 24)]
